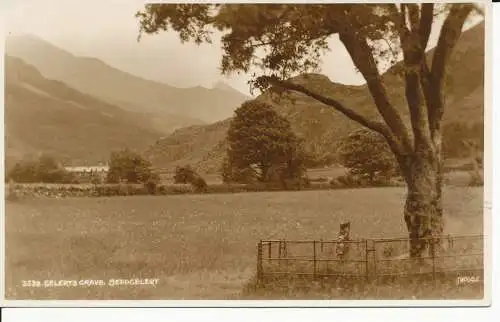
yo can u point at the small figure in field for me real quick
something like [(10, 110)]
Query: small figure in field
[(342, 239)]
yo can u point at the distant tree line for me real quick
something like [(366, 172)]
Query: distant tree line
[(124, 166), (44, 169), (262, 148)]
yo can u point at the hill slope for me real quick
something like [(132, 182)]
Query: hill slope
[(44, 115), (321, 126), (174, 107)]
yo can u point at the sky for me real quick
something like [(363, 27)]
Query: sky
[(107, 29)]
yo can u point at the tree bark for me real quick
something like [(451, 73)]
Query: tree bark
[(423, 212)]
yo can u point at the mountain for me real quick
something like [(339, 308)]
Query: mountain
[(321, 126), (220, 85), (48, 116), (168, 107)]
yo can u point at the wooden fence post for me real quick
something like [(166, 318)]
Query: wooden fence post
[(259, 262), (433, 254), (279, 249), (314, 254), (371, 260), (366, 259)]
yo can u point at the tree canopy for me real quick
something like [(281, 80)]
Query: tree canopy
[(277, 41), (129, 166), (281, 40), (43, 169), (262, 142), (366, 154)]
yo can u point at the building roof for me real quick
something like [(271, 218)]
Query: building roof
[(98, 168)]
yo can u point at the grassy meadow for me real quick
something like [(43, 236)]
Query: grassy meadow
[(198, 246)]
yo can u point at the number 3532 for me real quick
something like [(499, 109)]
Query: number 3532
[(31, 283)]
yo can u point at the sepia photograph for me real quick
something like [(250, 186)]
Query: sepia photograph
[(247, 151)]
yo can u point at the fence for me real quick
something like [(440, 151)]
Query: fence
[(369, 259)]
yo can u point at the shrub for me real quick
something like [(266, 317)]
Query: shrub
[(186, 174), (151, 187), (128, 166), (152, 183), (358, 181), (320, 179), (44, 169), (175, 189), (366, 154), (200, 184)]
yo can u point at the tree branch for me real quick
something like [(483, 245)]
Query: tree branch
[(413, 44), (360, 52), (448, 38), (351, 114), (426, 19), (413, 16), (398, 17)]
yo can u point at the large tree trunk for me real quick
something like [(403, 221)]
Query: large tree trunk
[(423, 211)]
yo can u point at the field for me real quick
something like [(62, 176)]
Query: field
[(198, 246)]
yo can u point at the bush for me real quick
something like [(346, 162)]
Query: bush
[(186, 174), (320, 179), (151, 187), (128, 166), (175, 189), (95, 179), (358, 181), (199, 184), (297, 184), (44, 169), (152, 183)]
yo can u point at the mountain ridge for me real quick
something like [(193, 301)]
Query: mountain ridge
[(322, 126), (48, 116), (99, 79)]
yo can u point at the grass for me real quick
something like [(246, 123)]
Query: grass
[(199, 246)]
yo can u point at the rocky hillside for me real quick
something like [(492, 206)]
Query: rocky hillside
[(320, 125)]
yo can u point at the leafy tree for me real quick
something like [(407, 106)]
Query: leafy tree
[(366, 154), (186, 174), (129, 166), (44, 169), (183, 174), (24, 171), (260, 141), (277, 41), (230, 173), (50, 171)]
